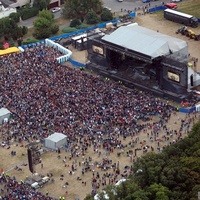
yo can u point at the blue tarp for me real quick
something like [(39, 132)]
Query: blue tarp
[(187, 110)]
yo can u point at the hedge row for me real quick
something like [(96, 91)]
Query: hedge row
[(27, 13)]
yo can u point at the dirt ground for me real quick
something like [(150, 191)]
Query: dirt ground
[(156, 23), (51, 162), (56, 166)]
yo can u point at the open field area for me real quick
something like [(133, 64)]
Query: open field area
[(60, 164), (74, 183), (191, 7)]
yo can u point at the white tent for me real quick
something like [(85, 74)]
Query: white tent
[(146, 41), (4, 114), (56, 140), (98, 196)]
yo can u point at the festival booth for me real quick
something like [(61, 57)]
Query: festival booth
[(4, 115), (9, 50), (55, 141)]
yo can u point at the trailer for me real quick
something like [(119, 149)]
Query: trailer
[(181, 18)]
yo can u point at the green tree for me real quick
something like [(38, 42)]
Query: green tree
[(41, 4), (92, 18), (158, 192), (15, 17), (75, 22), (44, 25), (80, 8), (89, 197), (106, 15)]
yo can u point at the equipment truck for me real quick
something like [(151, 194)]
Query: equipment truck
[(181, 18)]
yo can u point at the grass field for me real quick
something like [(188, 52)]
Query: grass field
[(191, 7)]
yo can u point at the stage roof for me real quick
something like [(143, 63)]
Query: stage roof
[(146, 41)]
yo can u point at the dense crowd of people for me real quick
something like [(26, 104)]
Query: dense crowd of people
[(13, 189), (46, 97)]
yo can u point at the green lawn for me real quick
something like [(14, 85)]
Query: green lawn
[(191, 7)]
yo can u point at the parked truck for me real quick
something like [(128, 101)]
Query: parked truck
[(189, 33), (180, 17)]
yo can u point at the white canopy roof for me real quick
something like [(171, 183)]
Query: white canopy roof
[(56, 137), (4, 111), (146, 41)]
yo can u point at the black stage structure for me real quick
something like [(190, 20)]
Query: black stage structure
[(165, 76)]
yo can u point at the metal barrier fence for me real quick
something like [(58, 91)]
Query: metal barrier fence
[(187, 110), (157, 8), (75, 63), (66, 35)]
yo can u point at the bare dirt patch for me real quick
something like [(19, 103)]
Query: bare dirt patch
[(56, 166)]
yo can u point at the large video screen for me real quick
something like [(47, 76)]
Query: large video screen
[(173, 76), (97, 49)]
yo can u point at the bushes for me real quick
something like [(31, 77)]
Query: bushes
[(54, 29), (74, 23), (69, 30), (15, 17), (82, 26), (106, 15), (27, 13), (92, 18), (30, 40)]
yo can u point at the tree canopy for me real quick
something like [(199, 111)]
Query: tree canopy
[(79, 8), (10, 30), (41, 4), (44, 25), (173, 174)]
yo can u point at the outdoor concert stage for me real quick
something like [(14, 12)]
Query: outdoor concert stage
[(141, 58)]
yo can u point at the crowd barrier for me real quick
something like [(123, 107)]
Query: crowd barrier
[(157, 8), (33, 44), (75, 63), (57, 46), (187, 110), (60, 48), (197, 108), (66, 35)]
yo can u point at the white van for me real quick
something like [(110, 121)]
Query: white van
[(35, 185), (45, 179)]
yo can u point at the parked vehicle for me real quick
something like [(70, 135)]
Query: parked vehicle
[(171, 5), (56, 9), (181, 18), (188, 33)]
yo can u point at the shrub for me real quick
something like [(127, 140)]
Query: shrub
[(30, 40), (69, 30), (82, 26), (15, 17), (11, 43), (24, 30), (1, 45), (27, 13), (74, 23), (106, 15), (54, 29), (92, 18)]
